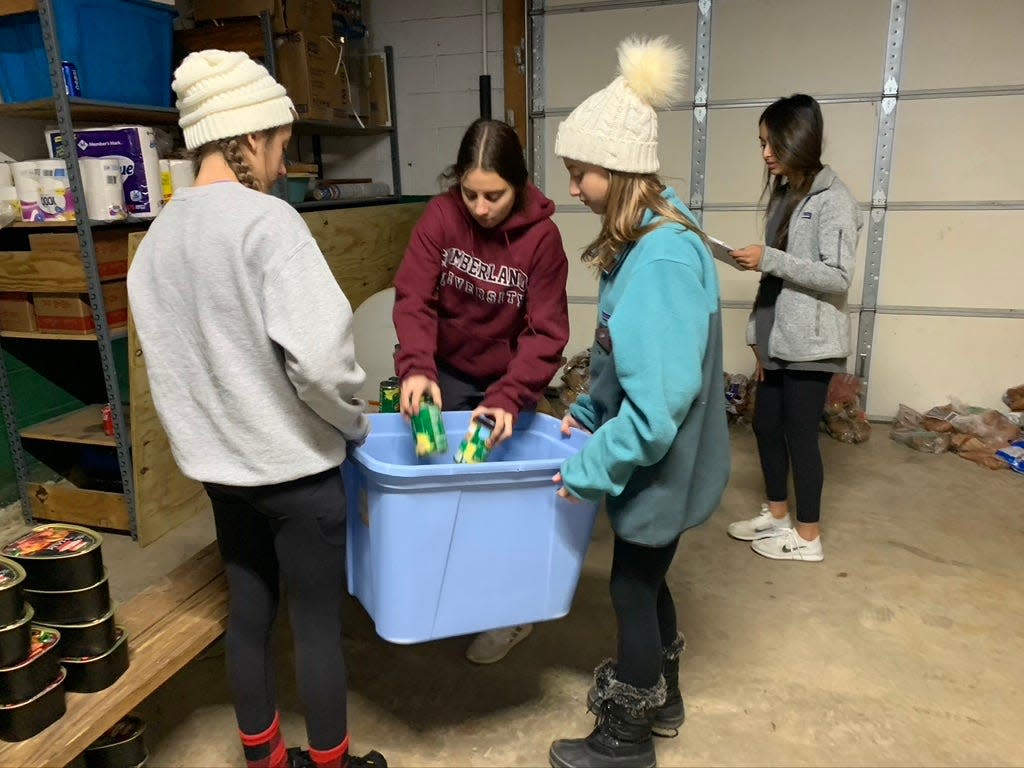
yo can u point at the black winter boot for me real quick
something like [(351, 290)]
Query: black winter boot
[(672, 713), (622, 736)]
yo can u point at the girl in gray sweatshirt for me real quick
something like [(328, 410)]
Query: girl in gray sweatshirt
[(799, 329)]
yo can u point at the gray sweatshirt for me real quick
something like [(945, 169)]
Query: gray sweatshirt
[(247, 338), (810, 320)]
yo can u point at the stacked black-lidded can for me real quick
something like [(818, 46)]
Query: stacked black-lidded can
[(120, 747), (31, 678), (66, 587)]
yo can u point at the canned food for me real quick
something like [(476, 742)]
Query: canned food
[(428, 429), (473, 449), (71, 84), (108, 420), (390, 395)]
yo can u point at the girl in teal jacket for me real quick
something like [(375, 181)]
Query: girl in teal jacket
[(659, 454)]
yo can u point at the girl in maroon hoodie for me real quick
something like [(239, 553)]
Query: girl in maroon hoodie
[(480, 305)]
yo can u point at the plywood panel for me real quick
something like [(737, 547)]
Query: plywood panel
[(164, 498), (579, 48), (778, 47), (952, 259), (922, 361), (735, 170), (364, 246), (958, 149), (675, 132), (67, 504), (949, 45)]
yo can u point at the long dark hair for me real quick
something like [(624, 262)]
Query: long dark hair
[(795, 130), (491, 145)]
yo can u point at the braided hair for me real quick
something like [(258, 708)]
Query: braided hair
[(231, 149)]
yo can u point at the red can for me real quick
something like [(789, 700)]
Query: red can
[(108, 420)]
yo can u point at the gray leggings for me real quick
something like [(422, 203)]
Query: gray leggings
[(293, 531)]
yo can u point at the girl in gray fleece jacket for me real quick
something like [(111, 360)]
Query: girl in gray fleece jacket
[(799, 329)]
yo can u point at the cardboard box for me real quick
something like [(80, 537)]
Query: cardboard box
[(111, 247), (314, 17), (17, 312), (305, 66), (377, 93), (71, 313)]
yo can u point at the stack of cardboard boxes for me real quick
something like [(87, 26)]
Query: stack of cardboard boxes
[(55, 258), (307, 52)]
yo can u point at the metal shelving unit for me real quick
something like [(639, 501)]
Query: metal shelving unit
[(80, 425)]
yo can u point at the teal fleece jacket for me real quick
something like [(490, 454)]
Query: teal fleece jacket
[(660, 449)]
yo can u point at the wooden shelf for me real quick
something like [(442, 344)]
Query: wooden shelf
[(118, 333), (84, 427), (66, 503), (89, 111), (351, 202), (74, 224)]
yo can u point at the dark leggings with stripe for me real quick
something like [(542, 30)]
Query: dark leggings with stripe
[(294, 532), (786, 417), (644, 610)]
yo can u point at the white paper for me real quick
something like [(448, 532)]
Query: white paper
[(721, 252)]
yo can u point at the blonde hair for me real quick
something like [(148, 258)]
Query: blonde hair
[(231, 148), (629, 195)]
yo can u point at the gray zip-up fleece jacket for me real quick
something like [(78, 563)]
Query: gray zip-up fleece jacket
[(811, 321)]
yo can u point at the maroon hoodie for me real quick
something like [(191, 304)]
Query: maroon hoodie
[(489, 303)]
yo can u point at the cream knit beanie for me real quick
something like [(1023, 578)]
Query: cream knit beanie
[(616, 128), (225, 93)]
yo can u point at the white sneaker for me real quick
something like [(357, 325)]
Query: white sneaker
[(789, 545), (760, 527), (493, 645)]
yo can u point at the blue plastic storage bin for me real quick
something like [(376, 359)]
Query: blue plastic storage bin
[(122, 49), (437, 549)]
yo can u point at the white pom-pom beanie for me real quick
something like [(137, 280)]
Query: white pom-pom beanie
[(225, 93), (617, 128)]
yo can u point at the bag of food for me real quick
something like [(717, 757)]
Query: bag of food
[(921, 439), (1014, 398)]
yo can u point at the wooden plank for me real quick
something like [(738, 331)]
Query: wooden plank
[(166, 595), (237, 35), (168, 625), (364, 246), (67, 504), (40, 336), (88, 111), (11, 7), (164, 498), (514, 43), (84, 426)]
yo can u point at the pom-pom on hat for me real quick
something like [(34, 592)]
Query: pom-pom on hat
[(225, 93), (617, 128)]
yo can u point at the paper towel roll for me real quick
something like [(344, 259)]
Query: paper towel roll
[(26, 184), (182, 174), (174, 175), (104, 189), (53, 167), (55, 199)]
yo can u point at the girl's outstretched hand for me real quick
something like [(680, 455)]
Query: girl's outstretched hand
[(557, 479), (749, 257), (569, 423), (503, 424), (412, 390)]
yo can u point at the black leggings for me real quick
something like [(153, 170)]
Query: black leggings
[(644, 610), (295, 530), (787, 412)]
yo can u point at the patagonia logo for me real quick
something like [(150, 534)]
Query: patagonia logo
[(806, 215)]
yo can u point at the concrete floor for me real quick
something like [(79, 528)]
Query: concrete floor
[(902, 648)]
